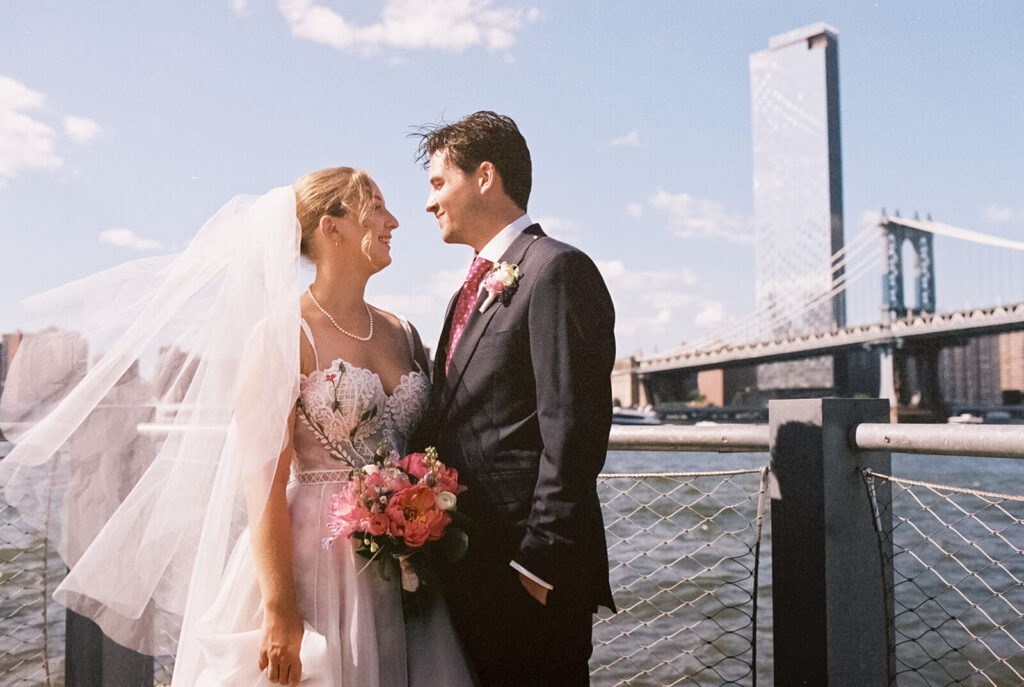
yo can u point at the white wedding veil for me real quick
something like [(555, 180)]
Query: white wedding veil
[(146, 403)]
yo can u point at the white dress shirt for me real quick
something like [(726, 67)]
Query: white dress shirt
[(497, 246)]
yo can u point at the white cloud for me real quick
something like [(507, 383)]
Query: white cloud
[(651, 304), (553, 224), (621, 278), (126, 238), (711, 315), (870, 218), (454, 25), (81, 129), (632, 139), (239, 6), (999, 213), (25, 143), (425, 305), (635, 209), (699, 218), (561, 229)]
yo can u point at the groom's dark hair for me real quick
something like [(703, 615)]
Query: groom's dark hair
[(483, 137)]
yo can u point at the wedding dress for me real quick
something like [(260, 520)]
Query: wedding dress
[(148, 410), (355, 632)]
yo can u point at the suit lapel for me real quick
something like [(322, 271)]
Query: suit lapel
[(441, 354), (478, 321)]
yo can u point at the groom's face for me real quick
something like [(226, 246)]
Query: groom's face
[(454, 200)]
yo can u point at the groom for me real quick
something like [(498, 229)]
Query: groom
[(521, 406)]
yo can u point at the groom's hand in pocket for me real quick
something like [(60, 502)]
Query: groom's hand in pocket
[(537, 591), (279, 647)]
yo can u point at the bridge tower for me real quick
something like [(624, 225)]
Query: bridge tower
[(895, 235), (909, 375)]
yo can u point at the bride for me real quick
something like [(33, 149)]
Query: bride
[(262, 403)]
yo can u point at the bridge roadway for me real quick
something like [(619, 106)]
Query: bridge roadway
[(991, 320)]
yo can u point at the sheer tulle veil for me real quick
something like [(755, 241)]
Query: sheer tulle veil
[(147, 404)]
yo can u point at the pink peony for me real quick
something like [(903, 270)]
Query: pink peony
[(414, 465), (374, 480), (447, 479), (346, 512), (415, 516)]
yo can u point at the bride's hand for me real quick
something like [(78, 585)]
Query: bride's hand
[(279, 647)]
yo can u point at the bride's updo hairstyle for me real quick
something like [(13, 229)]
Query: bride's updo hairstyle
[(335, 191)]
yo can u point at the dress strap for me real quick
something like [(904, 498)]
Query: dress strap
[(412, 341), (309, 337)]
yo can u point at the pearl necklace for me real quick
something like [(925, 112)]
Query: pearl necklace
[(337, 326)]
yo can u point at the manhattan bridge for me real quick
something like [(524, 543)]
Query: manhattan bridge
[(896, 342)]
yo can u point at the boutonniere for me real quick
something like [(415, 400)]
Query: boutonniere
[(503, 280)]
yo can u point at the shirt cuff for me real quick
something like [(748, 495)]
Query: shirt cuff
[(529, 574)]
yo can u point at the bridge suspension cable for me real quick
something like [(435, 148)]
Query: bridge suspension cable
[(958, 233), (755, 324), (857, 258)]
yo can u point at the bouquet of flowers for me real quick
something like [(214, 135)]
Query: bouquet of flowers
[(401, 513)]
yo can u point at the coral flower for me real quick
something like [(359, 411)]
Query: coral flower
[(415, 515), (378, 524)]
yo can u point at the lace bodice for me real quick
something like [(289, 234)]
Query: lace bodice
[(344, 414)]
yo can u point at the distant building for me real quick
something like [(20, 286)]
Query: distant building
[(627, 391), (8, 345), (798, 200), (983, 370)]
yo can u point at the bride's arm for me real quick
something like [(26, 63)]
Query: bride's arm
[(272, 551)]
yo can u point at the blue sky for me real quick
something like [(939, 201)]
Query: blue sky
[(124, 124)]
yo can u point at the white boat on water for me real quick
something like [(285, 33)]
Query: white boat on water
[(635, 416), (965, 419)]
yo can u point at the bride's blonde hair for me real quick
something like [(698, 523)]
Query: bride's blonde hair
[(335, 191)]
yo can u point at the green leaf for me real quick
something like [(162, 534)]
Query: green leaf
[(453, 545)]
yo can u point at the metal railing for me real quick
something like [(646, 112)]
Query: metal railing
[(938, 592), (874, 578)]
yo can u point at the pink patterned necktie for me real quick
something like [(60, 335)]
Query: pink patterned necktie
[(464, 306)]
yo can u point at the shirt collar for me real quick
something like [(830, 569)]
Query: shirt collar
[(497, 246)]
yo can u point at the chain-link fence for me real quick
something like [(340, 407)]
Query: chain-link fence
[(684, 567), (33, 626), (958, 592), (32, 623), (683, 550), (691, 584)]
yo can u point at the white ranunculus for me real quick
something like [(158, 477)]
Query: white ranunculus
[(446, 500)]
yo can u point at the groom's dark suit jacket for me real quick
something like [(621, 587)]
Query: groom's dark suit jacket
[(524, 412)]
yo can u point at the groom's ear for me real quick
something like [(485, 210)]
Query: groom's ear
[(487, 177)]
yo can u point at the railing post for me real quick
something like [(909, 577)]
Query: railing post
[(831, 599)]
